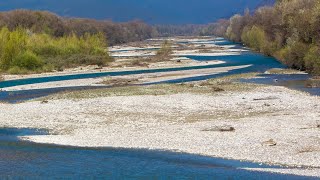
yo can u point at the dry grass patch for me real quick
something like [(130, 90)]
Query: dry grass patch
[(133, 62), (225, 114), (115, 81), (141, 61), (229, 83), (283, 71), (211, 86)]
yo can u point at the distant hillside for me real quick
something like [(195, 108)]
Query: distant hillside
[(151, 11)]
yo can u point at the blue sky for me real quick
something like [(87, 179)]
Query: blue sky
[(151, 11)]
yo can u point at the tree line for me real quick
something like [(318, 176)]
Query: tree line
[(116, 33), (40, 41), (167, 30), (289, 31), (50, 23)]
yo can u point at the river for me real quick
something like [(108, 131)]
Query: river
[(20, 159)]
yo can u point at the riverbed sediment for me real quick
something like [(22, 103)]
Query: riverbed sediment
[(177, 122)]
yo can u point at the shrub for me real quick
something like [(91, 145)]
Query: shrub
[(13, 43), (282, 54), (312, 60), (46, 45), (255, 37), (165, 49), (17, 70), (22, 50), (27, 60), (293, 55), (75, 60), (296, 54)]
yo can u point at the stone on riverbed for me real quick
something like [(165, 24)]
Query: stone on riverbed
[(270, 142), (44, 102), (225, 128)]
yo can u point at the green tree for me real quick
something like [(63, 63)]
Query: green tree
[(312, 60), (14, 44), (234, 30)]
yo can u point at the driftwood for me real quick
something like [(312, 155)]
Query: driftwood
[(265, 99)]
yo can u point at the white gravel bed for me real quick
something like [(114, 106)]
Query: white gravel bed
[(176, 122)]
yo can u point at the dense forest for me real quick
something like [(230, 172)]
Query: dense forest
[(289, 31)]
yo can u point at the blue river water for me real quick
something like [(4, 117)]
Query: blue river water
[(256, 63), (26, 160), (259, 63), (302, 82)]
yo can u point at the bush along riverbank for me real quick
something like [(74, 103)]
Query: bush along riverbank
[(22, 51), (288, 31)]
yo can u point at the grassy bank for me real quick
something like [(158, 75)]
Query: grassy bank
[(22, 51)]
